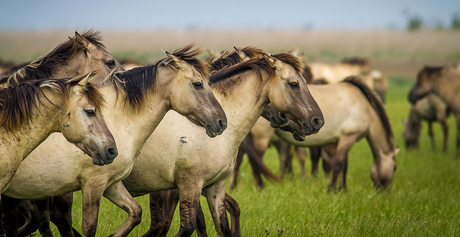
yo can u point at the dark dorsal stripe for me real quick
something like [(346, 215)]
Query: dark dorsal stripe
[(377, 105)]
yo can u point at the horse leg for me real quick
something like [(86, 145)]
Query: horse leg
[(301, 155), (343, 178), (44, 210), (233, 208), (32, 216), (10, 215), (458, 133), (254, 160), (315, 154), (215, 194), (92, 191), (445, 129), (339, 158), (189, 197), (162, 206), (285, 160), (239, 160), (118, 195), (328, 151), (431, 135), (61, 214)]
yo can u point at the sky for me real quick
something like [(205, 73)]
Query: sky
[(221, 15)]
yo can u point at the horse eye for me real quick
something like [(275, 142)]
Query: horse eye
[(90, 112), (198, 85), (110, 63), (294, 84)]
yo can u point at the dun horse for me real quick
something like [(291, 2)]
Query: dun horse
[(359, 114), (137, 101), (444, 82), (31, 111), (199, 164), (430, 108), (78, 55)]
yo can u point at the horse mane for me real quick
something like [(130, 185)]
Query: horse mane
[(430, 71), (377, 105), (45, 66), (137, 82), (17, 101), (259, 65), (190, 56), (232, 58), (359, 61), (307, 74)]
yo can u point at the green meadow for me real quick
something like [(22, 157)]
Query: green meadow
[(423, 200)]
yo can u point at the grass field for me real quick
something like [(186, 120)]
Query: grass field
[(422, 202), (426, 188)]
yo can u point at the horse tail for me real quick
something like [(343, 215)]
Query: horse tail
[(376, 104), (256, 160)]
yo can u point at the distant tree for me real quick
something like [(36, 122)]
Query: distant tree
[(414, 22), (456, 21)]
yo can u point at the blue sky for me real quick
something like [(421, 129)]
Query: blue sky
[(240, 14)]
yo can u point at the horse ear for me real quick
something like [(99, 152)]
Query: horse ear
[(273, 62), (172, 60), (396, 151), (82, 40)]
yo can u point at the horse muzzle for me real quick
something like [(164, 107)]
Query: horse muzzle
[(106, 157), (213, 130)]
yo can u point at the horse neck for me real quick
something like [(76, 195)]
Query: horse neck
[(243, 98), (378, 139), (25, 138), (447, 87), (132, 128)]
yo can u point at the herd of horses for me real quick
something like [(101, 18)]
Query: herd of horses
[(177, 129)]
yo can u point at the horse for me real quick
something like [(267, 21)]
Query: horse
[(137, 101), (335, 73), (444, 82), (359, 114), (430, 108), (31, 111), (78, 55), (198, 164)]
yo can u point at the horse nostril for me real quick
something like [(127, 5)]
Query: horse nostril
[(317, 122), (111, 152), (222, 124)]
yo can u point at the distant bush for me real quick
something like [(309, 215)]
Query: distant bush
[(414, 23), (456, 21)]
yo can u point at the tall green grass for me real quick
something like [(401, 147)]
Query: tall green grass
[(423, 201)]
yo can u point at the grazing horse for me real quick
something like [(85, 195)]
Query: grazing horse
[(359, 114), (137, 101), (430, 108), (182, 158), (337, 72), (31, 111), (78, 55), (445, 83)]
